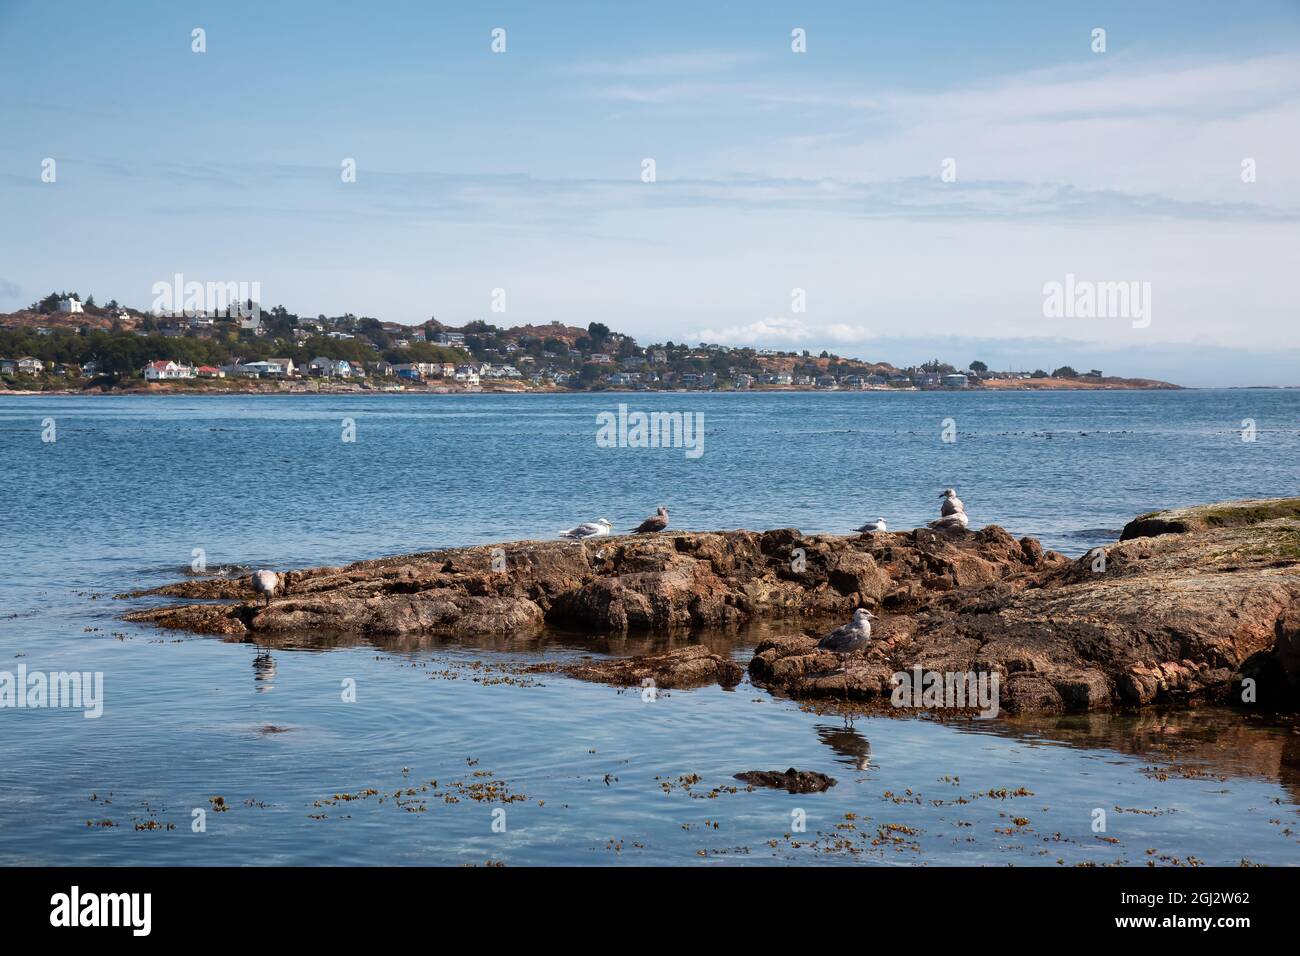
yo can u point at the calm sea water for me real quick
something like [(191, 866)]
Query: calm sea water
[(132, 485)]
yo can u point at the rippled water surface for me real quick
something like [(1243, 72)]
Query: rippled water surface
[(132, 485)]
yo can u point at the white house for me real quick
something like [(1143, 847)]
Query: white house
[(159, 371), (70, 305), (30, 366), (467, 374)]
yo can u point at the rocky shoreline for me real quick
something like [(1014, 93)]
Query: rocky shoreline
[(1187, 605)]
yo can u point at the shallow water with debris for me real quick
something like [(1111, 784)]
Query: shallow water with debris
[(444, 735)]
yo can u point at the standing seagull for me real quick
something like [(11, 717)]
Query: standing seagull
[(656, 522), (877, 525), (951, 503), (591, 529), (847, 638), (268, 583)]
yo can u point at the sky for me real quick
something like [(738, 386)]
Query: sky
[(903, 189)]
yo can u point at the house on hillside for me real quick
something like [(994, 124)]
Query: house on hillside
[(167, 371), (408, 371), (209, 371), (71, 305)]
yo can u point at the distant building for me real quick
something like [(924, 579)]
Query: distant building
[(956, 380), (408, 372), (70, 304), (167, 371), (454, 339), (320, 367), (209, 371)]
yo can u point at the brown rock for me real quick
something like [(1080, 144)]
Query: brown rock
[(794, 781), (685, 667)]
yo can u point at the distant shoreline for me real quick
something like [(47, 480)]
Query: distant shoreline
[(374, 392)]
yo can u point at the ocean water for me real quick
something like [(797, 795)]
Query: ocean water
[(132, 486)]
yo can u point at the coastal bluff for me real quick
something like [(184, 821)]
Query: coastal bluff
[(1187, 605)]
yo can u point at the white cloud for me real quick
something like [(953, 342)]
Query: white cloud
[(780, 329)]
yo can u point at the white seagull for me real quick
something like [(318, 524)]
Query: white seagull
[(591, 529), (951, 522), (877, 525), (951, 503), (267, 583)]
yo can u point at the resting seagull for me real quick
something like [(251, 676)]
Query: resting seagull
[(877, 525), (951, 503), (591, 529), (951, 522), (657, 522), (268, 583)]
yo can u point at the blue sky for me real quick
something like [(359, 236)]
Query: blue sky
[(775, 170)]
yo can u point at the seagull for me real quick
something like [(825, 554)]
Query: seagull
[(951, 503), (951, 522), (268, 583), (847, 638), (657, 522), (591, 529), (877, 525)]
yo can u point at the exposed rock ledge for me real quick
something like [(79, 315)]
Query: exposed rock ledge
[(1175, 618)]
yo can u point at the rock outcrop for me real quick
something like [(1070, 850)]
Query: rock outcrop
[(1179, 611), (684, 667), (1178, 618), (660, 583)]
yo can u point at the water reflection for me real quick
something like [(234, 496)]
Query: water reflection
[(1211, 742), (1208, 742), (263, 671), (853, 748)]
